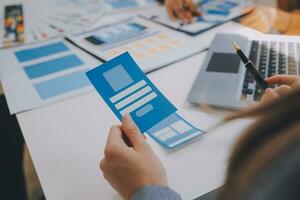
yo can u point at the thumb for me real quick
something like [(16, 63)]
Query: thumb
[(131, 130)]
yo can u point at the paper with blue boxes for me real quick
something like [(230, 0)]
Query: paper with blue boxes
[(42, 73), (127, 90)]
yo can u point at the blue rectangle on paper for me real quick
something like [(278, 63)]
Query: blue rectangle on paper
[(218, 12), (161, 107), (122, 3), (173, 141), (118, 78), (52, 66), (39, 52), (61, 85)]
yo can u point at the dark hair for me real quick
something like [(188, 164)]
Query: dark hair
[(261, 149), (288, 5)]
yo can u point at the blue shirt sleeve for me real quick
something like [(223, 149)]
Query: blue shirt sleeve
[(155, 192)]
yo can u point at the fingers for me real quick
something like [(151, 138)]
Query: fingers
[(183, 10), (174, 9), (282, 79), (171, 13), (115, 139), (181, 14), (248, 9), (103, 164), (188, 16), (283, 90), (269, 95), (132, 131), (115, 148), (119, 138), (193, 8)]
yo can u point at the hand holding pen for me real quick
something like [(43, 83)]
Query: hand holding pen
[(285, 83), (251, 68)]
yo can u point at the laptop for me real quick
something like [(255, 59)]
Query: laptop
[(223, 81)]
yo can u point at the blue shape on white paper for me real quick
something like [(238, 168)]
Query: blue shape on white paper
[(133, 96), (39, 52), (144, 110), (122, 3), (118, 78), (62, 84), (173, 131), (127, 90), (52, 66), (117, 33)]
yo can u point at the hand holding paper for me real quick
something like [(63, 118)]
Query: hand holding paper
[(141, 165), (127, 90)]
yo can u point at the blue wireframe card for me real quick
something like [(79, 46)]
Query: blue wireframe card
[(127, 90)]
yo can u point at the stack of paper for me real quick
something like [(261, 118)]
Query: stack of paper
[(47, 71), (31, 20), (151, 45)]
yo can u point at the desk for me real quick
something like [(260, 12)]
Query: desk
[(66, 139)]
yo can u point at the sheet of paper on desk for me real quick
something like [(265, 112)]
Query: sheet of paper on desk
[(214, 12), (35, 13), (151, 45), (76, 16), (66, 16), (21, 24), (36, 20), (125, 4), (42, 73), (127, 90)]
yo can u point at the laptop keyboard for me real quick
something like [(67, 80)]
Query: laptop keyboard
[(271, 58)]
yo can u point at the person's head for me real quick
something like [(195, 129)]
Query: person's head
[(265, 163)]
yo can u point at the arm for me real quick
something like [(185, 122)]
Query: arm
[(155, 192)]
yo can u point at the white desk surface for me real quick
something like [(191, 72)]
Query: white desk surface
[(66, 141)]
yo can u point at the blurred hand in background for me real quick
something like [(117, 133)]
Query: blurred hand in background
[(183, 10)]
